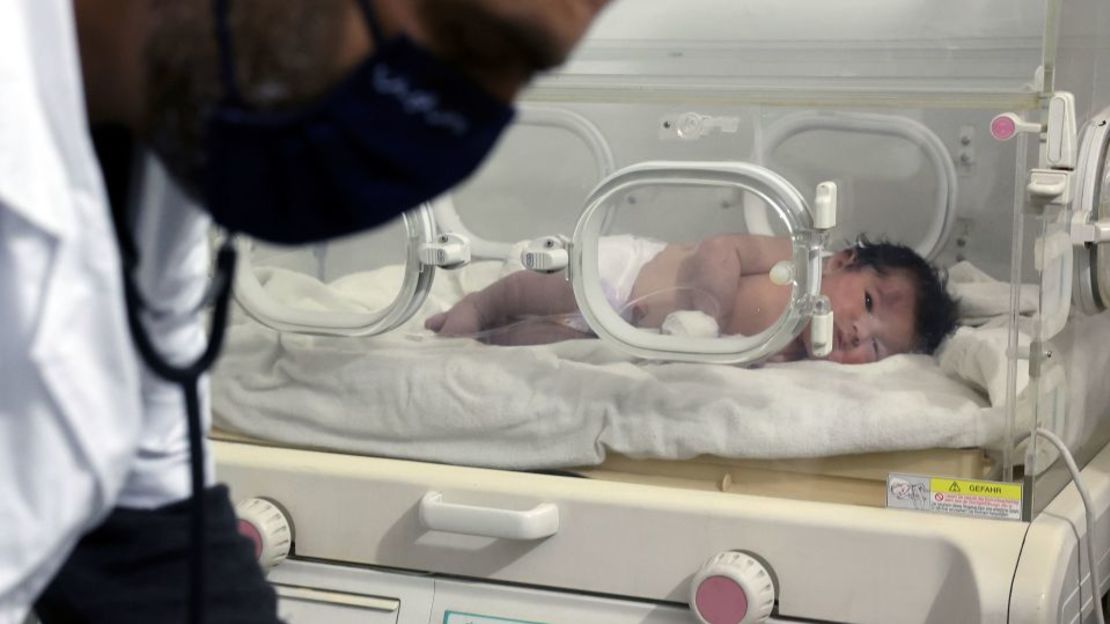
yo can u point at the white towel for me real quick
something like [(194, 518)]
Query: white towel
[(983, 298), (978, 357), (517, 407)]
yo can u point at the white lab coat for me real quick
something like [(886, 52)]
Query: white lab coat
[(173, 275), (83, 427)]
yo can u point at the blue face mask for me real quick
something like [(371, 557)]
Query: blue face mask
[(401, 129)]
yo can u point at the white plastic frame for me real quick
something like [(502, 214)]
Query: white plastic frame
[(772, 188), (417, 282), (889, 125), (1091, 290)]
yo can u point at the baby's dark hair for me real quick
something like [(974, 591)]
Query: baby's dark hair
[(935, 311)]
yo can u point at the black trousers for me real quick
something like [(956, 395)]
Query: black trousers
[(134, 568)]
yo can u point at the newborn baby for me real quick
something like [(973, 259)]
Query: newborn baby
[(885, 298)]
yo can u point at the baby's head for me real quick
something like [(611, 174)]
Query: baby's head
[(886, 299)]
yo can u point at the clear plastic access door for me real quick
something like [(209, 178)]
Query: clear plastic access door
[(664, 265), (892, 156)]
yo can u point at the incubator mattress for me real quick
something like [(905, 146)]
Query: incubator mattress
[(850, 479), (855, 479), (415, 396)]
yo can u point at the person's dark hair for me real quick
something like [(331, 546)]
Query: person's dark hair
[(935, 311), (287, 56)]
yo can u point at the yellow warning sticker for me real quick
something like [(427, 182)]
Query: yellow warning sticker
[(984, 499), (990, 489)]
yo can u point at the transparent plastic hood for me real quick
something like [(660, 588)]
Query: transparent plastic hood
[(505, 349)]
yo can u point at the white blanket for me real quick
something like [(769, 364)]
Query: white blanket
[(412, 395)]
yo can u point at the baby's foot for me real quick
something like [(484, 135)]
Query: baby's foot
[(463, 319), (435, 322)]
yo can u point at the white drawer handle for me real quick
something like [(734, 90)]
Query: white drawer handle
[(536, 523)]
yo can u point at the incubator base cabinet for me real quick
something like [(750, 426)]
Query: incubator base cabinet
[(581, 551), (675, 259)]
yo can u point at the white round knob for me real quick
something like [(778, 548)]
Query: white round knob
[(732, 588), (825, 206), (268, 528)]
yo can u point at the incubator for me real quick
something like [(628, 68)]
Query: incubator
[(633, 441)]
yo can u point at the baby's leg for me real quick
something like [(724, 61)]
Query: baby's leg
[(519, 294), (535, 331)]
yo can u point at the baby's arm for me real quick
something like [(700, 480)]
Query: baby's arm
[(518, 294), (758, 254), (711, 273)]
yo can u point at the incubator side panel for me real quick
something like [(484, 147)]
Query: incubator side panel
[(1081, 412), (832, 562)]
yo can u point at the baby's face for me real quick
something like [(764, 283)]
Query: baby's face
[(873, 314)]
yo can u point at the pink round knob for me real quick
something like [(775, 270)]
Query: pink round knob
[(1003, 127), (732, 588), (249, 531), (720, 600), (268, 528)]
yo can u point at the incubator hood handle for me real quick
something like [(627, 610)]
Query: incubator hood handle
[(537, 523)]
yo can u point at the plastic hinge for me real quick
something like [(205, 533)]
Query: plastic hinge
[(824, 206), (821, 328), (449, 251), (546, 255)]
